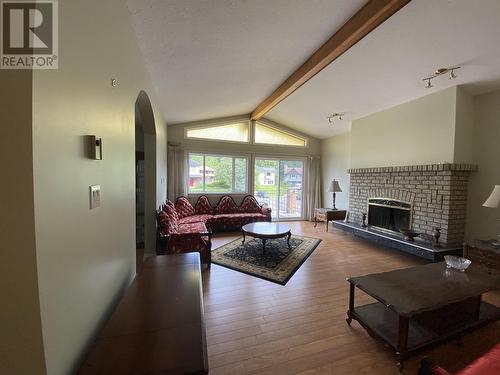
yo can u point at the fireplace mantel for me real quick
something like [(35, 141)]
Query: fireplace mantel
[(417, 168)]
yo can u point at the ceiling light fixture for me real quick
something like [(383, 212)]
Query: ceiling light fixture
[(440, 72), (334, 116)]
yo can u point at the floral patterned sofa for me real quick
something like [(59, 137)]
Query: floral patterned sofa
[(487, 364), (185, 228)]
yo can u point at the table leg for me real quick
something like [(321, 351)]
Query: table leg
[(243, 242), (315, 221), (326, 224), (402, 340), (288, 240), (351, 303)]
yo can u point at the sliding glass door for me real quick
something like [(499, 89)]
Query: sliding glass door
[(278, 183)]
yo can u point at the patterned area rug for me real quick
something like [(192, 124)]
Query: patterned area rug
[(277, 264)]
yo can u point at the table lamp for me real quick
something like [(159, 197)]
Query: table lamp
[(493, 201), (334, 188)]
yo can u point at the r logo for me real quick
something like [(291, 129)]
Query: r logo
[(27, 28), (29, 34)]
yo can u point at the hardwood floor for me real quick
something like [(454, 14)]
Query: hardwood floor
[(258, 327)]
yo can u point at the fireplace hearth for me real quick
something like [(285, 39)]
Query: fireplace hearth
[(389, 214)]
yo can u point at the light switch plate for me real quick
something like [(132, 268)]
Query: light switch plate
[(95, 196)]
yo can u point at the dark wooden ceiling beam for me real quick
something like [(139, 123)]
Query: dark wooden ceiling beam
[(371, 15)]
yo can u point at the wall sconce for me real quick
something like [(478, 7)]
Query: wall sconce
[(334, 116), (440, 72)]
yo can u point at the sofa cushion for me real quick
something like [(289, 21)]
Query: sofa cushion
[(231, 222), (195, 219), (167, 224), (184, 207), (202, 206), (226, 206), (171, 204), (250, 205), (169, 208), (240, 216), (192, 228)]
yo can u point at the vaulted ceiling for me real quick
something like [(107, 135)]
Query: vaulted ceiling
[(220, 58)]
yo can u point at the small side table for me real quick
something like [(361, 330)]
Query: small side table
[(328, 214), (483, 254)]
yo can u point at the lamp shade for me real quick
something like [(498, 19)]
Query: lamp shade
[(335, 187), (493, 200)]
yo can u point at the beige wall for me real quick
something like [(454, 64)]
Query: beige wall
[(85, 257), (21, 347), (484, 222), (417, 132), (336, 160), (464, 127)]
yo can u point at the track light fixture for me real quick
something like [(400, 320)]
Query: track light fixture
[(334, 116), (440, 72)]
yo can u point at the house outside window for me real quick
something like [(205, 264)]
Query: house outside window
[(217, 174), (267, 176)]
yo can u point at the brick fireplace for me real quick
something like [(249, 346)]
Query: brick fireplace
[(436, 195)]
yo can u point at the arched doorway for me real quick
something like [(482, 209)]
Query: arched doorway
[(145, 173)]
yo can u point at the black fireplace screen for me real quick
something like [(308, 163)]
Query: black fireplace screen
[(389, 214)]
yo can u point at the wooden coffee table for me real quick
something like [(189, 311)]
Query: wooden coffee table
[(266, 231), (423, 305)]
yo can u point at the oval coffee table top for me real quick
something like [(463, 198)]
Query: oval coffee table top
[(266, 229)]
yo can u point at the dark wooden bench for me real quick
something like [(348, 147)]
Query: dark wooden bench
[(158, 326)]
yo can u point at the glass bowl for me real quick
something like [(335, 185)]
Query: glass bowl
[(458, 263)]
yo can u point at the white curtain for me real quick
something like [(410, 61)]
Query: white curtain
[(313, 186), (176, 172)]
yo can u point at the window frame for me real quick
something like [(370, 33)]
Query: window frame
[(280, 130), (218, 154), (217, 124)]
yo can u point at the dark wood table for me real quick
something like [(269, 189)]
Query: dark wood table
[(327, 215), (422, 305), (266, 231), (158, 326), (484, 254)]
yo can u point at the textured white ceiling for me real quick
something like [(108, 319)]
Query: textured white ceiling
[(217, 58), (386, 68)]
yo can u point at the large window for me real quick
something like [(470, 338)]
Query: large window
[(217, 174), (232, 132), (265, 134)]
